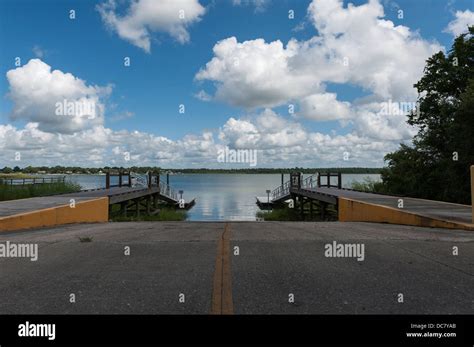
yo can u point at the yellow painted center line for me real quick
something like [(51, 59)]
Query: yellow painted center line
[(222, 289)]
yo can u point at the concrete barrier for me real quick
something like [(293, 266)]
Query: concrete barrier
[(95, 210), (358, 211)]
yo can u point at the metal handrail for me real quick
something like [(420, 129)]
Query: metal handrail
[(138, 180), (281, 191), (310, 182), (166, 190), (313, 181)]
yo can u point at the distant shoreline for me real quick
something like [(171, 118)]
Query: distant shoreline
[(141, 170)]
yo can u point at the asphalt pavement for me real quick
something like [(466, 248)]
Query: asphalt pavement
[(275, 268)]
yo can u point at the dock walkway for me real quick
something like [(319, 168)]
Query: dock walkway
[(360, 206), (86, 206)]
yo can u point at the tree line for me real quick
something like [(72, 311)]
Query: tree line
[(437, 163)]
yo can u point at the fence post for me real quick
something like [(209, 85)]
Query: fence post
[(339, 180), (107, 180), (129, 179), (150, 176), (120, 178)]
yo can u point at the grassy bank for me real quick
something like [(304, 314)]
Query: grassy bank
[(15, 176), (281, 214), (13, 192), (165, 213), (285, 213), (369, 185)]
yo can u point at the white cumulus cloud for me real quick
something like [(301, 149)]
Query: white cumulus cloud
[(460, 24), (324, 106), (255, 73), (355, 45), (55, 100), (143, 17)]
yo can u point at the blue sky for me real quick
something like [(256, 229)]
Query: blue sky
[(146, 95)]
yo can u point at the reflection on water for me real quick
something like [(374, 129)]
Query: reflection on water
[(220, 196)]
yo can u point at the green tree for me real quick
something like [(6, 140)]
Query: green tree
[(437, 165), (30, 169)]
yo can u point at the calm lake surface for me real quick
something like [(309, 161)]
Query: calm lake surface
[(220, 196)]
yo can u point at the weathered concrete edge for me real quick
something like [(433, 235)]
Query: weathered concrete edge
[(472, 191), (89, 211), (358, 211)]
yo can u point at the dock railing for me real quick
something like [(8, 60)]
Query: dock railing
[(120, 175), (328, 176), (310, 182), (150, 180), (313, 181), (32, 181), (281, 191), (167, 191)]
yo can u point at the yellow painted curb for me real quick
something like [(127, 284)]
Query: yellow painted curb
[(95, 210), (358, 211)]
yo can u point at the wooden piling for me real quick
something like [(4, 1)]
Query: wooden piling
[(323, 206), (301, 199), (123, 208)]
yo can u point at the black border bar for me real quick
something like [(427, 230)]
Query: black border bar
[(260, 329)]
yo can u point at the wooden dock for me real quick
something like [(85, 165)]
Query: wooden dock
[(90, 205), (356, 206)]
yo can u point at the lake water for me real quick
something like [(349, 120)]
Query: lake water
[(220, 196)]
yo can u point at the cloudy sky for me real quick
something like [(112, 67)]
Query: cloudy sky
[(171, 83)]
